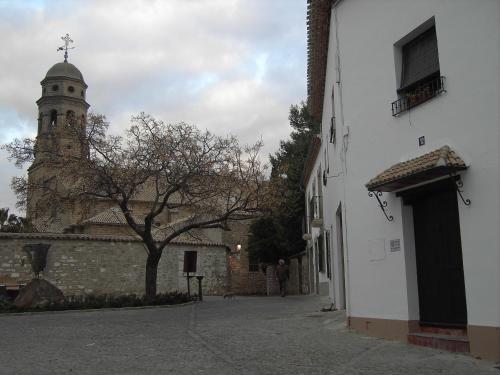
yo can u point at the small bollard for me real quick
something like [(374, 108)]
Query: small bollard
[(189, 277), (200, 292)]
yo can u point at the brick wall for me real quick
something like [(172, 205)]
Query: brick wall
[(241, 280), (83, 264)]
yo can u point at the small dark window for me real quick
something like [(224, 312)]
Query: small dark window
[(55, 87), (53, 118), (420, 60), (253, 267), (68, 147), (333, 131), (190, 260), (44, 90), (71, 89), (83, 94)]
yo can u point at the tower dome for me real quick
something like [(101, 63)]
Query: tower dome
[(63, 100), (64, 70)]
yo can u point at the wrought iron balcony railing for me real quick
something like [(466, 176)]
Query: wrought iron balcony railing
[(418, 95)]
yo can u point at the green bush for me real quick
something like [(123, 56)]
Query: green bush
[(91, 301)]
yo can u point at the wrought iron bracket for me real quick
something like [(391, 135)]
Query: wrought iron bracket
[(382, 204), (459, 185)]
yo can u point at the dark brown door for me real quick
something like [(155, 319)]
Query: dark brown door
[(441, 287)]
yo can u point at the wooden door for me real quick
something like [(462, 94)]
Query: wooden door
[(441, 286)]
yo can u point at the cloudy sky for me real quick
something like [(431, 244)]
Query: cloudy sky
[(230, 66)]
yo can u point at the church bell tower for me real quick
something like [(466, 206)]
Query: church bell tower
[(62, 114)]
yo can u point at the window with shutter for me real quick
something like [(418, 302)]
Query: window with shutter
[(321, 254), (420, 60), (421, 78), (328, 265)]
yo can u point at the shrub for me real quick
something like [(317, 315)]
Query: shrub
[(92, 301)]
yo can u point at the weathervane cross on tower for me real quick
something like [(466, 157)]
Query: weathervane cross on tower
[(65, 48)]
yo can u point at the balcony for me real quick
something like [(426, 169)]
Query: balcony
[(316, 212), (412, 97)]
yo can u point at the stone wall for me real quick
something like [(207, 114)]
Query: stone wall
[(83, 264), (299, 274)]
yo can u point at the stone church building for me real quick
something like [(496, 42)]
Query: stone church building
[(62, 110), (93, 250)]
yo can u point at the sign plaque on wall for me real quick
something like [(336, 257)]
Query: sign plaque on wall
[(395, 245)]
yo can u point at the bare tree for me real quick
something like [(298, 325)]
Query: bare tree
[(214, 179)]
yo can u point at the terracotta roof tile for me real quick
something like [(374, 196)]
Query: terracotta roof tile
[(111, 216), (312, 154), (443, 159), (114, 216), (318, 27)]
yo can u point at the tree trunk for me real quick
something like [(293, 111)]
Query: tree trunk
[(152, 273)]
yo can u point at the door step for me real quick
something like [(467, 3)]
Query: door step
[(443, 331), (449, 339)]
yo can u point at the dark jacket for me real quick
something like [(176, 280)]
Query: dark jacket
[(282, 272)]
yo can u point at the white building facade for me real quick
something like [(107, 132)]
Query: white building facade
[(319, 239), (409, 169)]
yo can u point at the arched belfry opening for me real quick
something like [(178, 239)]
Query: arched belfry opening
[(53, 118), (40, 122)]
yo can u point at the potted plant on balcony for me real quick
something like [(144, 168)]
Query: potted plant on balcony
[(413, 98)]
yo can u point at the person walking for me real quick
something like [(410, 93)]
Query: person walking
[(282, 275)]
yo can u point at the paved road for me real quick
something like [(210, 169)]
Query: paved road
[(250, 335)]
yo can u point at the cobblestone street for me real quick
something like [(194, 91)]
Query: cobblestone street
[(244, 335)]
